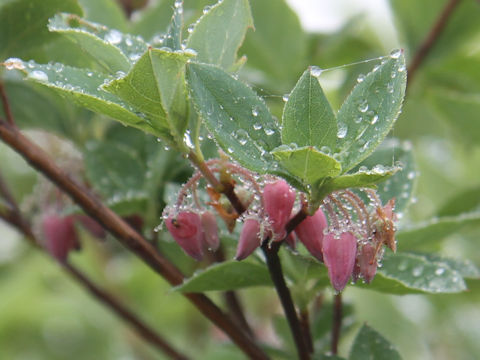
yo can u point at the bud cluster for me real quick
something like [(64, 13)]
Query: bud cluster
[(346, 233)]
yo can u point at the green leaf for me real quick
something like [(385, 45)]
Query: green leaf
[(173, 37), (229, 275), (152, 20), (370, 345), (23, 24), (308, 119), (219, 32), (307, 163), (408, 273), (84, 88), (239, 120), (362, 178), (107, 12), (465, 201), (156, 87), (401, 184), (368, 113), (429, 234), (113, 169), (466, 268), (278, 46), (111, 49)]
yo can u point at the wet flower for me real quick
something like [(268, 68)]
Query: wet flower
[(311, 233), (210, 230), (367, 262), (250, 238), (60, 236), (339, 252), (278, 199), (186, 229)]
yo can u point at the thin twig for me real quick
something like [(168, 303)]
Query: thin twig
[(337, 322), (15, 219), (427, 44), (124, 234), (276, 273), (6, 105)]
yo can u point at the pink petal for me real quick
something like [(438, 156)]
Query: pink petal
[(249, 239), (186, 229), (278, 198), (310, 232), (210, 230), (339, 256)]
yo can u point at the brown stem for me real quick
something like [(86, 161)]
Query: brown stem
[(144, 331), (6, 105), (127, 236), (431, 38), (276, 274), (337, 322), (305, 323)]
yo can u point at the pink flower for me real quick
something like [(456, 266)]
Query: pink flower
[(339, 256), (186, 229), (249, 239), (60, 236), (278, 198), (310, 233), (367, 262), (210, 231)]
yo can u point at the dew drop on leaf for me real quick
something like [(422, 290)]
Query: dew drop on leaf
[(342, 130), (113, 37), (38, 75), (395, 54), (315, 71)]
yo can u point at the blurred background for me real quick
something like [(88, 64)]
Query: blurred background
[(44, 315)]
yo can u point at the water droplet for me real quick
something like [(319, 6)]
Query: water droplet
[(134, 57), (242, 136), (358, 119), (363, 168), (395, 54), (326, 150), (257, 126), (374, 119), (113, 37), (342, 130), (38, 75), (230, 150), (189, 51), (14, 63), (360, 78), (190, 28), (417, 271), (285, 97), (255, 111), (379, 169), (390, 88), (363, 106), (439, 271), (206, 9), (402, 68), (178, 3), (315, 71), (402, 266), (411, 175), (268, 131), (128, 41)]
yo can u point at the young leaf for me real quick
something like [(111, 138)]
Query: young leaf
[(111, 49), (219, 32), (308, 119), (402, 183), (229, 275), (156, 87), (83, 87), (307, 163), (16, 37), (173, 37), (368, 113), (407, 273), (429, 234), (370, 345), (239, 120)]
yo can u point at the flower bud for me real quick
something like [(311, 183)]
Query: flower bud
[(60, 236), (186, 229), (210, 231), (367, 262), (310, 233), (249, 239), (278, 198), (339, 256)]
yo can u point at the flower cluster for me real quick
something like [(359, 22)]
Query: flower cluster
[(346, 233)]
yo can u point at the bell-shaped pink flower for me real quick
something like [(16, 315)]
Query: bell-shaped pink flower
[(249, 239), (186, 229), (310, 232), (60, 236), (278, 198), (367, 262), (210, 231), (339, 256)]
